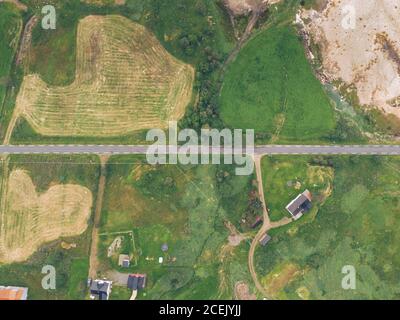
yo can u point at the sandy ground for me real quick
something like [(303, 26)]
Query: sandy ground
[(366, 55), (239, 7), (30, 219)]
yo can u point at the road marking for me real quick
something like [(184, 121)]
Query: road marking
[(258, 150)]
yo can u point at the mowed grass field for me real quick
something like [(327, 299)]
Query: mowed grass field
[(125, 81), (35, 214), (175, 205), (10, 30), (44, 234), (194, 31), (31, 219), (270, 88), (358, 226)]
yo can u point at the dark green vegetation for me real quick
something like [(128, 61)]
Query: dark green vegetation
[(271, 88), (177, 205), (358, 225), (10, 30), (71, 265), (239, 197)]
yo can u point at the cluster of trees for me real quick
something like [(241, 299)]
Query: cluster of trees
[(243, 205), (345, 130), (205, 112), (322, 161), (254, 208)]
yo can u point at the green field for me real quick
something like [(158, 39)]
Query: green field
[(270, 88), (284, 178), (48, 170), (177, 205), (10, 30), (358, 225)]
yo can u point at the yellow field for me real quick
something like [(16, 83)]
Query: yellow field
[(30, 220), (125, 81)]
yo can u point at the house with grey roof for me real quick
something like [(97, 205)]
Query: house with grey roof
[(100, 289), (300, 205), (265, 239), (136, 281)]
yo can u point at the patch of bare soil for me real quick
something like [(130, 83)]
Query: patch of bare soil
[(235, 237), (360, 45), (243, 7), (242, 292)]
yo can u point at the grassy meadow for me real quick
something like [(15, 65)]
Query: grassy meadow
[(177, 205), (285, 178), (48, 170), (357, 225), (271, 88)]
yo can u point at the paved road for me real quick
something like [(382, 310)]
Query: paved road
[(259, 150)]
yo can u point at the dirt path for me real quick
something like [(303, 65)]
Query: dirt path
[(26, 40), (21, 57), (10, 128), (226, 252), (93, 261), (4, 160), (264, 228), (17, 3), (255, 15), (267, 225)]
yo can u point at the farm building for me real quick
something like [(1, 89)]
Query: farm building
[(300, 205), (265, 239), (100, 289), (136, 281), (124, 261), (257, 222), (13, 293)]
